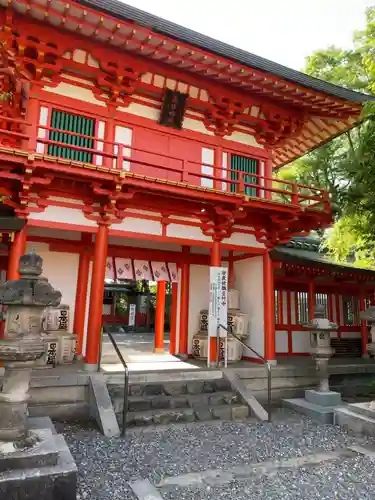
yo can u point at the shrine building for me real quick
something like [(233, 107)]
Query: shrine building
[(135, 149)]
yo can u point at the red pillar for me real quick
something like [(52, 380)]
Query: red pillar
[(268, 178), (32, 117), (94, 326), (364, 330), (269, 309), (215, 262), (311, 299), (159, 317), (173, 320), (81, 292), (231, 276), (17, 249), (184, 304)]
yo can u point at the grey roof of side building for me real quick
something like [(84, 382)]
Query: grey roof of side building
[(308, 251), (157, 24)]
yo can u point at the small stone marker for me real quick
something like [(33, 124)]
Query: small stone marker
[(144, 490)]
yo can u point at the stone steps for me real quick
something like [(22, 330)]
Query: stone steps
[(179, 415), (163, 403)]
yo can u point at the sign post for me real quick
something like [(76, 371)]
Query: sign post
[(131, 314), (218, 311)]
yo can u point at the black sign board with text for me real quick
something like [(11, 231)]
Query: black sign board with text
[(172, 112)]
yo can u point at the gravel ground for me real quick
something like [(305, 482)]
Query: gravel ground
[(106, 465), (346, 480)]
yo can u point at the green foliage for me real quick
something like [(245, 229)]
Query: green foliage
[(346, 166), (341, 67)]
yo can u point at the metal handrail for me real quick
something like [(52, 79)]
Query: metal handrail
[(126, 382), (265, 362)]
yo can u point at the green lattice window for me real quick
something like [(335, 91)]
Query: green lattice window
[(243, 164), (71, 123)]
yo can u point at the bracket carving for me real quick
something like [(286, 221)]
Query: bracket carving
[(218, 222), (269, 124)]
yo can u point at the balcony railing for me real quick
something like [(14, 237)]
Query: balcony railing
[(142, 163)]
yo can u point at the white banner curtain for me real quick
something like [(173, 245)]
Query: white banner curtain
[(160, 271), (142, 270), (124, 269)]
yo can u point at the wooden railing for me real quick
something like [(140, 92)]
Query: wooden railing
[(146, 163)]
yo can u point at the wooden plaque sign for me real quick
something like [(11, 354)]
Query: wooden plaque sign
[(173, 109)]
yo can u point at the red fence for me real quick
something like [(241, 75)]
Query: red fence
[(152, 165)]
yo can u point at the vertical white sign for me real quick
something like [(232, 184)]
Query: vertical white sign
[(131, 314), (218, 310)]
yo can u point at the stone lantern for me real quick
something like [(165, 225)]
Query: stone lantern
[(22, 345), (319, 404), (321, 350), (369, 316)]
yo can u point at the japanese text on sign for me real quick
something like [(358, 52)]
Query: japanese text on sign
[(218, 311)]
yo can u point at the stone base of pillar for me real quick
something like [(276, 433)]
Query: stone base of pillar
[(13, 421), (272, 362), (317, 405), (40, 472), (88, 367)]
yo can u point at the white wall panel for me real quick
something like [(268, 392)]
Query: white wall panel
[(301, 342), (198, 297), (249, 282), (281, 341), (61, 270)]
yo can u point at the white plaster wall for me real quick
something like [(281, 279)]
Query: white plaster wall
[(135, 225), (75, 92), (198, 297), (196, 126), (243, 138), (301, 341), (208, 159), (247, 240), (249, 282), (62, 214), (138, 109), (186, 232), (281, 341), (61, 270)]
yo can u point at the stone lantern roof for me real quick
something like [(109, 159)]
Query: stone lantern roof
[(31, 289)]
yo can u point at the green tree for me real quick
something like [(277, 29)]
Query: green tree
[(346, 166), (338, 66)]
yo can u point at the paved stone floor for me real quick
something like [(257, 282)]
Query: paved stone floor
[(291, 458)]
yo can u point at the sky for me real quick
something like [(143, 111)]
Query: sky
[(285, 31)]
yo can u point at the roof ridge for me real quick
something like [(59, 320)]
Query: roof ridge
[(124, 11)]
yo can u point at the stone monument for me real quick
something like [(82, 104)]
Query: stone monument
[(319, 403), (369, 316), (360, 417), (34, 462)]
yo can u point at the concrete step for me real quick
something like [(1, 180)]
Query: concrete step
[(362, 409), (170, 388), (144, 403), (321, 414), (174, 415), (61, 412), (160, 377), (353, 421)]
